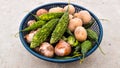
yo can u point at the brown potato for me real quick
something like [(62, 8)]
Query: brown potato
[(41, 11), (46, 49), (80, 33), (85, 16), (30, 22), (71, 9), (77, 15), (70, 16), (74, 23), (29, 36), (56, 9), (37, 49), (62, 48)]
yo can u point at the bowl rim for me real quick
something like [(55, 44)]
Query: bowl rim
[(61, 60)]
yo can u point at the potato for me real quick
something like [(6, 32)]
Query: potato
[(74, 23), (37, 49), (70, 16), (29, 36), (56, 9), (62, 48), (41, 11), (80, 33), (85, 16), (46, 49), (77, 15), (30, 22), (71, 9)]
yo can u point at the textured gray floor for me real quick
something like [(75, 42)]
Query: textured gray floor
[(14, 55)]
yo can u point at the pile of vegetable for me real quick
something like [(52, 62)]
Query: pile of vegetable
[(61, 32)]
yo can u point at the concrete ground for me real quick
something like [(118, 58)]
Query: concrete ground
[(14, 55)]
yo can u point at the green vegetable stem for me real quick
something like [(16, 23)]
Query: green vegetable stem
[(89, 24), (36, 17), (67, 57), (64, 38), (77, 49), (69, 32)]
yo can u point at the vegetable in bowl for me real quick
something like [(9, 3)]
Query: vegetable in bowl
[(53, 31)]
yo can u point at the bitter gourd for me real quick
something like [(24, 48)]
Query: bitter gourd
[(60, 28), (49, 16), (35, 25), (85, 47), (43, 33), (92, 35)]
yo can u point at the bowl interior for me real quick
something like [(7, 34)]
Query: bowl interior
[(97, 27)]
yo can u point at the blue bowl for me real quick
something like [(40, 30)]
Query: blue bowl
[(96, 27)]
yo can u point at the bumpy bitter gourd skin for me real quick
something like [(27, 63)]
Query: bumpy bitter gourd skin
[(85, 47), (92, 35), (43, 33), (35, 25), (49, 16), (60, 28)]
